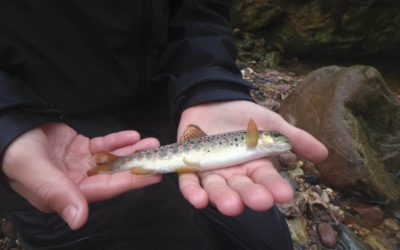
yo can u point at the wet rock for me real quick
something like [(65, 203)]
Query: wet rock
[(352, 111), (327, 235), (325, 197), (297, 172), (372, 216), (294, 208), (392, 225), (9, 230), (347, 240), (291, 181), (298, 229), (288, 159), (378, 241), (312, 179), (396, 214), (309, 168)]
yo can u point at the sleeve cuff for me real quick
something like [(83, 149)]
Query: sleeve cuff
[(208, 85)]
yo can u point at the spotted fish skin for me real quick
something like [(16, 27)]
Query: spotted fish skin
[(202, 153)]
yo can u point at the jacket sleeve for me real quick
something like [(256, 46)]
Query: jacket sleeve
[(200, 57), (20, 111)]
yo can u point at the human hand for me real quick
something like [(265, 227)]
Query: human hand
[(47, 166), (255, 184)]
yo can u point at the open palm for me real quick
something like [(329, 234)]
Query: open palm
[(255, 184), (48, 165)]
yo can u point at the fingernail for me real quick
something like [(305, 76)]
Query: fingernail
[(69, 214)]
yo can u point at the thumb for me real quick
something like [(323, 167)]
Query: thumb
[(50, 190), (31, 172)]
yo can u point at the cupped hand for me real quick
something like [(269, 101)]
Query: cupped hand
[(47, 166), (255, 184)]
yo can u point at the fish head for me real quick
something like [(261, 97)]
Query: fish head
[(274, 141)]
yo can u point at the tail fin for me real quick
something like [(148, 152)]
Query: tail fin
[(104, 160)]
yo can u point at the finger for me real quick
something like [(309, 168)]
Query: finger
[(225, 199), (58, 193), (303, 143), (106, 186), (267, 176), (192, 191), (253, 195), (113, 141), (138, 146)]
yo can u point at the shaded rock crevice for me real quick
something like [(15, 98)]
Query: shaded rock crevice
[(317, 28)]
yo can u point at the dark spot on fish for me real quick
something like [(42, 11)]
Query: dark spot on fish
[(148, 155), (163, 153)]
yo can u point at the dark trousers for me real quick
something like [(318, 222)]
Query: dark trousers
[(158, 220)]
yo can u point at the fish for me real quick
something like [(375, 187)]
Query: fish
[(196, 151)]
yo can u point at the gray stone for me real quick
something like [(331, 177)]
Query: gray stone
[(351, 111)]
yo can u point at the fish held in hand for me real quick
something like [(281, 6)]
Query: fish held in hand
[(197, 151)]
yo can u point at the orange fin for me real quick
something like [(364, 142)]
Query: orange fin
[(104, 161), (98, 169), (141, 171), (186, 170), (191, 131), (104, 157), (251, 134)]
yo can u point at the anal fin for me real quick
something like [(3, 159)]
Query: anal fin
[(141, 171), (182, 170)]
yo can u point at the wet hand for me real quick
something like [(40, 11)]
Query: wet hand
[(47, 166), (255, 184)]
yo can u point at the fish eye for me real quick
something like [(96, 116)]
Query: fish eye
[(275, 133)]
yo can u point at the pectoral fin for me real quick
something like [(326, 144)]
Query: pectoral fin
[(191, 163), (191, 131), (251, 134)]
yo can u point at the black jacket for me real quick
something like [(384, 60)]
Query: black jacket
[(68, 60)]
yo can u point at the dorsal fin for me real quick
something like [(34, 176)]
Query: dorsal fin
[(103, 163), (251, 134), (191, 131)]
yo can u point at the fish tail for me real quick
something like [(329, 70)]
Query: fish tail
[(104, 161)]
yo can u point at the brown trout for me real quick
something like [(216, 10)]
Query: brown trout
[(197, 151)]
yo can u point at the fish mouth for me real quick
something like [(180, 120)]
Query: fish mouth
[(281, 139), (283, 143)]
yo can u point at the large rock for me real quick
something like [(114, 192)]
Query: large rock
[(320, 27), (356, 116)]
